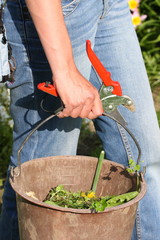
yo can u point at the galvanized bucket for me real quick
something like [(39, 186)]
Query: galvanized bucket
[(39, 221)]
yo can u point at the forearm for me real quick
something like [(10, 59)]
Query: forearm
[(82, 99), (49, 22)]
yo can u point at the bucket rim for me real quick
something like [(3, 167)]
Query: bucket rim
[(73, 210)]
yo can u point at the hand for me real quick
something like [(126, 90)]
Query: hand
[(80, 97)]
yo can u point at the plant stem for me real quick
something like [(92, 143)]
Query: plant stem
[(98, 170)]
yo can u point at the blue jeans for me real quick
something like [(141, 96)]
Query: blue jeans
[(108, 25)]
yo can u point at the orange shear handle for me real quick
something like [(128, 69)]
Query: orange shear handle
[(101, 71), (48, 88)]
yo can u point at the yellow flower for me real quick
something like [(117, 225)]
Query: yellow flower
[(91, 195), (133, 4), (136, 20), (83, 194)]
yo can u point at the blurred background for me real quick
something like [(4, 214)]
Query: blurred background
[(146, 20)]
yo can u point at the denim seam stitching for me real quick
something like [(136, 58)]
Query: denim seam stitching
[(24, 28), (138, 225), (125, 141), (63, 7), (129, 154), (72, 10), (105, 9), (108, 10)]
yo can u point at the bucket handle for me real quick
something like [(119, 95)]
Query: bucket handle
[(17, 172), (131, 135)]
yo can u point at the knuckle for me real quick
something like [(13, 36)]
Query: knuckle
[(73, 105), (90, 98)]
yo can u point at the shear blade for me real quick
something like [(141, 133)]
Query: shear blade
[(115, 115)]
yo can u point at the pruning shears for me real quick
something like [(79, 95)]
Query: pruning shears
[(110, 91)]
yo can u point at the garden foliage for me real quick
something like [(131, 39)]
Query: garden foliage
[(149, 37), (59, 196), (6, 125)]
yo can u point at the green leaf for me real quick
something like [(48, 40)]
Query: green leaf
[(117, 200), (158, 2), (60, 188), (137, 168), (129, 170), (131, 162), (99, 206), (133, 167), (51, 202)]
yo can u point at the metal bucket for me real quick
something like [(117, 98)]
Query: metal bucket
[(41, 221)]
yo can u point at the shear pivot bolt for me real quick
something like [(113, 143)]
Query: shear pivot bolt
[(110, 107), (129, 102), (105, 90)]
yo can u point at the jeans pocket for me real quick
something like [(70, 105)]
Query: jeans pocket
[(69, 6)]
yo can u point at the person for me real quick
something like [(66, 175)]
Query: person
[(48, 43)]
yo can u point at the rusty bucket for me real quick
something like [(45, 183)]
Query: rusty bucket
[(41, 221)]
